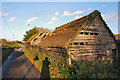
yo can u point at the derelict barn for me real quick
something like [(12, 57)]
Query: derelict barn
[(94, 41), (88, 36), (37, 38)]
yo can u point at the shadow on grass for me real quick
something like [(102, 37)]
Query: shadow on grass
[(45, 73)]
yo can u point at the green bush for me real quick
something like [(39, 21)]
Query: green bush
[(79, 69), (90, 69), (30, 33)]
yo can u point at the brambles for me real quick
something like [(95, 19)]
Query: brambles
[(79, 69), (90, 69)]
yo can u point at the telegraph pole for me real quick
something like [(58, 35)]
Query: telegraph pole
[(13, 38)]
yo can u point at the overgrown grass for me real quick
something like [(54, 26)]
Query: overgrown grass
[(7, 48), (79, 69), (91, 69), (54, 59)]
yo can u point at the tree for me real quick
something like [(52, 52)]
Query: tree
[(30, 33)]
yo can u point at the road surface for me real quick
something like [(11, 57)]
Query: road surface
[(18, 66)]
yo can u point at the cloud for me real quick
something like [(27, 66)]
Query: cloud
[(56, 13), (107, 16), (67, 13), (89, 9), (50, 22), (110, 17), (77, 17), (53, 19), (3, 14), (31, 19), (111, 21), (12, 19)]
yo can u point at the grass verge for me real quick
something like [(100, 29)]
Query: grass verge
[(55, 61)]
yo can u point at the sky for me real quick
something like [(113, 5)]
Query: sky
[(17, 15)]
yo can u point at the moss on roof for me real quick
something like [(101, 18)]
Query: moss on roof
[(62, 35)]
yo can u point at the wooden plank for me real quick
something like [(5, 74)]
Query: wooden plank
[(85, 51), (85, 40), (72, 49), (85, 46)]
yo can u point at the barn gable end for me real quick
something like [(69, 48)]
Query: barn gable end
[(93, 40)]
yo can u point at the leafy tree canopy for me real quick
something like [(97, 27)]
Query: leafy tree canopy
[(29, 34)]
